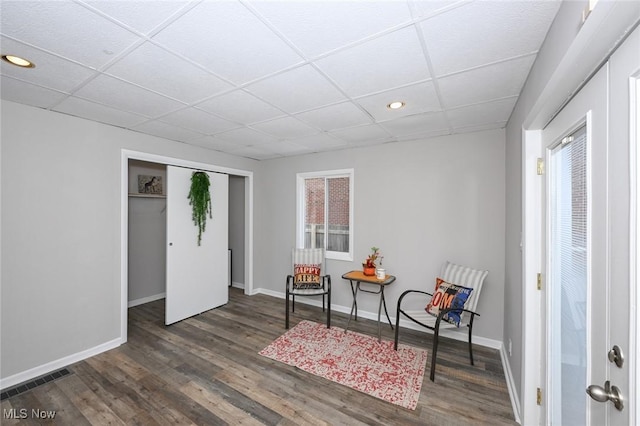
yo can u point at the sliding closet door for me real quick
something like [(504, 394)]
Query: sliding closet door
[(197, 276)]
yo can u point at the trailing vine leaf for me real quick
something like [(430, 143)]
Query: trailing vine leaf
[(200, 201)]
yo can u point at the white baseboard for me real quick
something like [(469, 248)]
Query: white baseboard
[(235, 284), (511, 385), (41, 370), (147, 299), (482, 341)]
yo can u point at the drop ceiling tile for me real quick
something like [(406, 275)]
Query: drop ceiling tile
[(423, 135), (482, 114), (241, 107), (29, 94), (245, 137), (170, 75), (198, 121), (389, 61), (257, 152), (297, 90), (253, 152), (286, 127), (212, 142), (491, 82), (127, 97), (418, 98), (424, 9), (419, 123), (96, 112), (320, 142), (481, 127), (229, 40), (486, 32), (318, 27), (50, 71), (142, 16), (72, 30), (370, 132), (336, 116), (286, 148), (167, 131)]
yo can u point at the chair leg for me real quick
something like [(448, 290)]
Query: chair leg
[(435, 352), (323, 302), (328, 308), (395, 339), (286, 315), (470, 325), (293, 303)]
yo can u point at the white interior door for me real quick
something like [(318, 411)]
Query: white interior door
[(197, 276), (586, 199)]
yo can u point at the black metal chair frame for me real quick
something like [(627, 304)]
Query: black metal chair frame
[(326, 286), (435, 328)]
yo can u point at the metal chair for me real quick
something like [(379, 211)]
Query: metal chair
[(465, 313), (308, 279)]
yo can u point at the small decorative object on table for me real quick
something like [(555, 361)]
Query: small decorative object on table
[(369, 265)]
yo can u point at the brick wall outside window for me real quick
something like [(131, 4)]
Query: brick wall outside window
[(336, 192), (338, 200)]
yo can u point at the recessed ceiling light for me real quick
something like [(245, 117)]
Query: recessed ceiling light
[(395, 105), (18, 61)]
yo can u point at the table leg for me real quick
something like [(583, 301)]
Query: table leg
[(353, 306), (354, 292), (380, 307)]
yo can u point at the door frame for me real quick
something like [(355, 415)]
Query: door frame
[(127, 155), (634, 247), (634, 261)]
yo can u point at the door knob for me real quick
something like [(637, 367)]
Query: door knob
[(608, 393), (615, 355)]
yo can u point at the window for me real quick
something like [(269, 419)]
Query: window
[(325, 212)]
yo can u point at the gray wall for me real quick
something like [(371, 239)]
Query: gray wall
[(61, 231), (236, 228), (421, 202)]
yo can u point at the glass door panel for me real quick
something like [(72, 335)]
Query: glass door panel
[(569, 287)]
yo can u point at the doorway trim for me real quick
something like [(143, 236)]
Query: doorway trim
[(127, 155)]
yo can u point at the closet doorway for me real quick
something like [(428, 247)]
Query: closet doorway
[(144, 228)]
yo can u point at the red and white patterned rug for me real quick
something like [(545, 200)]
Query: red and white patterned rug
[(355, 360)]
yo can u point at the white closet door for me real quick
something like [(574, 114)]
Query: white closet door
[(197, 276)]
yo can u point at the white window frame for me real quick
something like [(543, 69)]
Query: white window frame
[(300, 209)]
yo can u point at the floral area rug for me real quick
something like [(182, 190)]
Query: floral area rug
[(354, 360)]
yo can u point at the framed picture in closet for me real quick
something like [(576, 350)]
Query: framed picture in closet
[(148, 184)]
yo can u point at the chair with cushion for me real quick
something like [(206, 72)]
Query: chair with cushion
[(452, 304), (308, 279)]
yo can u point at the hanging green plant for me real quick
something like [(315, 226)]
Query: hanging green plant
[(200, 201)]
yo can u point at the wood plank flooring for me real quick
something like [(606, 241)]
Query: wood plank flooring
[(206, 371)]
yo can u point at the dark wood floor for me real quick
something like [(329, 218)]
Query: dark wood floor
[(206, 371)]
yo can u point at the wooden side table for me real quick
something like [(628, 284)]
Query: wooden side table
[(357, 279)]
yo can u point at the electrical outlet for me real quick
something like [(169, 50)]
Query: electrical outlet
[(510, 347)]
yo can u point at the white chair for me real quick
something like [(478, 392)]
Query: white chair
[(448, 310), (308, 279)]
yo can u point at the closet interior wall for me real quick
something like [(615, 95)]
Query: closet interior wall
[(147, 233)]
